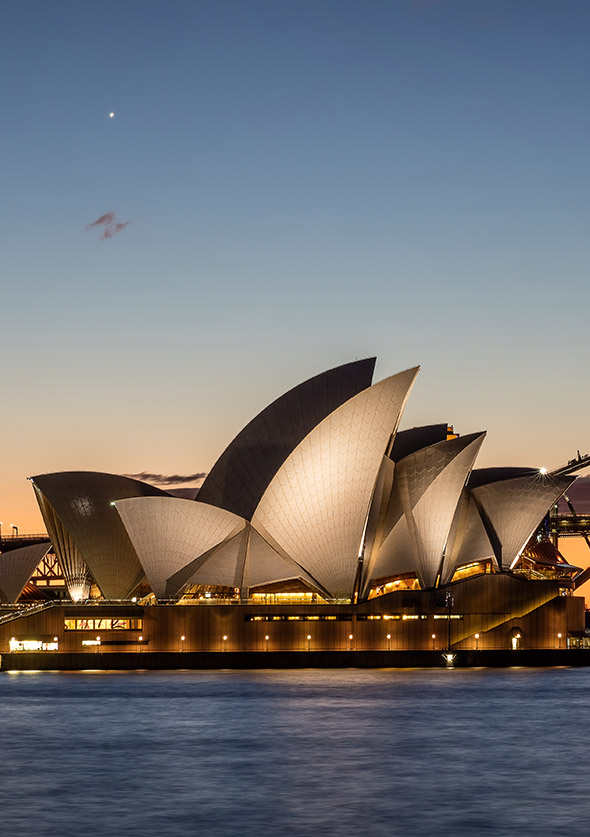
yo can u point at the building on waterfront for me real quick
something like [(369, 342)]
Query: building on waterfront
[(320, 525)]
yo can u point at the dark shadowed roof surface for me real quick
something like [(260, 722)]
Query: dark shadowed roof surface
[(416, 438), (485, 476), (244, 470)]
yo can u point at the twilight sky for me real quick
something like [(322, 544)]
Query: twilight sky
[(306, 183)]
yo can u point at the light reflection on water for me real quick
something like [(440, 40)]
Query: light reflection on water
[(410, 752)]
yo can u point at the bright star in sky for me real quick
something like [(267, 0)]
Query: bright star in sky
[(111, 115)]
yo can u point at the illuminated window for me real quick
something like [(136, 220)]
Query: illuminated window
[(313, 617), (446, 616), (406, 581), (469, 570), (363, 617), (107, 624)]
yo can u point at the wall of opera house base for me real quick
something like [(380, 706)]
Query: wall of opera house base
[(290, 660), (490, 612)]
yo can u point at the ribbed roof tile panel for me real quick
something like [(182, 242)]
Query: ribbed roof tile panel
[(243, 472), (168, 533), (419, 470), (224, 567), (434, 510), (468, 541), (82, 501), (265, 565), (515, 507), (16, 567), (416, 438), (397, 555), (427, 488), (74, 568), (316, 506)]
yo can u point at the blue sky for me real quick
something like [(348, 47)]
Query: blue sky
[(306, 183)]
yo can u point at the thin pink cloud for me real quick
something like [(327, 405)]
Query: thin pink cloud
[(111, 227), (107, 218)]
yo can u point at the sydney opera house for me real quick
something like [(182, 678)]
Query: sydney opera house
[(321, 526)]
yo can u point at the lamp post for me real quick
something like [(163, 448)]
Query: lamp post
[(224, 641), (266, 638), (433, 638), (1, 525), (476, 642), (98, 645), (140, 641), (449, 601), (389, 642), (350, 638), (182, 639), (15, 529), (309, 642), (559, 640)]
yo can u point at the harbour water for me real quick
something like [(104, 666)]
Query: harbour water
[(345, 752)]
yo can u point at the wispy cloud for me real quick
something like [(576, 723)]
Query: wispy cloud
[(168, 479), (111, 227)]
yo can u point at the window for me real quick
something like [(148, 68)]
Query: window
[(107, 624), (298, 617)]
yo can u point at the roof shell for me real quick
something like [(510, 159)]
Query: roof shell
[(468, 540), (511, 510), (245, 469), (317, 505), (168, 533), (82, 501), (426, 489), (415, 438), (16, 567)]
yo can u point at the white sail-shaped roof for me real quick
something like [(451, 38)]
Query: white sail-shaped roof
[(83, 503), (221, 567), (468, 540), (396, 555), (16, 567), (265, 565), (512, 509), (247, 560), (244, 470), (73, 566), (316, 506), (168, 533), (428, 484)]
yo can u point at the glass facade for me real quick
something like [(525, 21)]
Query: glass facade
[(108, 624)]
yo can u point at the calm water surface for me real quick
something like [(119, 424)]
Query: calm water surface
[(415, 752)]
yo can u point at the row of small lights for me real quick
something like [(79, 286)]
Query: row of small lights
[(350, 637)]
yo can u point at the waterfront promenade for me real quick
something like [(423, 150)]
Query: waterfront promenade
[(211, 660)]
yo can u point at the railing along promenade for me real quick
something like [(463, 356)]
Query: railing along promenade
[(19, 611)]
